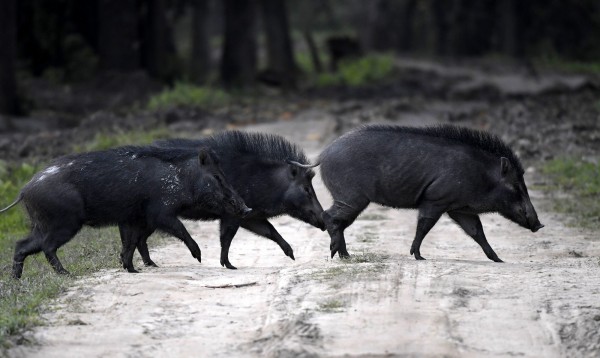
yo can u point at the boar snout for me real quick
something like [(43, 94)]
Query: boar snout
[(536, 227)]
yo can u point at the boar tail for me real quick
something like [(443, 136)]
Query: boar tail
[(302, 165), (13, 204)]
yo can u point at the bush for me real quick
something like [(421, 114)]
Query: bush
[(184, 94), (359, 72)]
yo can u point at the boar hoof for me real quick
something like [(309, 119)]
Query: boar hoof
[(228, 265), (132, 270), (62, 271), (343, 254), (150, 264)]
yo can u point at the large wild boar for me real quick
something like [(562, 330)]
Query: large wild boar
[(269, 174), (141, 189), (437, 170)]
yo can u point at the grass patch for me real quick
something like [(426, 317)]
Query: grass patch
[(359, 72), (104, 141), (581, 180), (184, 94), (555, 63), (367, 237), (365, 264), (332, 306)]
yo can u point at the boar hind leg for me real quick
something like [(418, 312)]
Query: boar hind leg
[(471, 224), (428, 216), (128, 244), (28, 246), (142, 246), (264, 228), (53, 241), (337, 219), (228, 229)]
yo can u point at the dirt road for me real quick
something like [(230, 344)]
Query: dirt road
[(543, 302)]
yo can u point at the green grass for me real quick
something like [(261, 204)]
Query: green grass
[(364, 264), (555, 63), (184, 94), (581, 180), (359, 72), (331, 306), (105, 141)]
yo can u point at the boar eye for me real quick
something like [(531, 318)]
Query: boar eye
[(307, 189)]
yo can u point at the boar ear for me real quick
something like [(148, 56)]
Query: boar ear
[(504, 165), (204, 157)]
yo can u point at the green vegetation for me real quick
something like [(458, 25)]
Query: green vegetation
[(331, 306), (581, 180), (184, 94), (359, 72), (359, 264), (558, 64), (105, 141)]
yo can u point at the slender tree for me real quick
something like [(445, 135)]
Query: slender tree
[(238, 64), (118, 35), (279, 44), (8, 55), (200, 61)]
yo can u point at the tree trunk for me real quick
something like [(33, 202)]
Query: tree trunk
[(279, 44), (238, 64), (313, 50), (200, 60), (156, 40), (118, 35), (8, 55)]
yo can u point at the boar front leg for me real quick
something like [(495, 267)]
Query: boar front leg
[(337, 218), (173, 226), (471, 224), (428, 216), (264, 228), (228, 228)]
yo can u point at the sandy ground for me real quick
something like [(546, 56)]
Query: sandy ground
[(542, 302)]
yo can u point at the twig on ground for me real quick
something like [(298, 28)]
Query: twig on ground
[(232, 285)]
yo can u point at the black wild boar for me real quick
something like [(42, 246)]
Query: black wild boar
[(140, 189), (267, 172), (442, 169)]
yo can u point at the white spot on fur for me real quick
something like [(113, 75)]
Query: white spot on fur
[(49, 171), (52, 170)]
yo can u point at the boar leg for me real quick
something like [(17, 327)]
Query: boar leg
[(128, 244), (173, 226), (25, 247), (428, 216), (264, 228), (142, 246), (337, 219), (471, 224), (53, 241), (228, 228)]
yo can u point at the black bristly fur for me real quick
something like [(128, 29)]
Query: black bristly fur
[(256, 165), (436, 170), (481, 140), (140, 189)]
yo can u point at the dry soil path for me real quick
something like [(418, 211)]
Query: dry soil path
[(543, 302)]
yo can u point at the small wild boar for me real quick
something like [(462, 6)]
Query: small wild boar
[(140, 189), (436, 170), (269, 173)]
